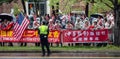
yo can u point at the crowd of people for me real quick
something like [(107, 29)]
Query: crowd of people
[(77, 22), (73, 22)]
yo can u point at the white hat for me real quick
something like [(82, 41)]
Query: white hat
[(77, 17), (50, 20), (94, 20)]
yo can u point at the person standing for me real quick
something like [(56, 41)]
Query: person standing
[(43, 31), (69, 26)]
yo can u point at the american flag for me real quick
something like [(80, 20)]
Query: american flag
[(20, 25)]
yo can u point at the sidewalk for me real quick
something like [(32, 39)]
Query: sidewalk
[(64, 53)]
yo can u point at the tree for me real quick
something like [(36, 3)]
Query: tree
[(97, 6), (23, 3), (66, 4), (3, 1), (16, 9), (54, 4), (15, 6), (87, 9), (115, 6)]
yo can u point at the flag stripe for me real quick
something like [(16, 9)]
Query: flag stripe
[(19, 28), (22, 28), (15, 29)]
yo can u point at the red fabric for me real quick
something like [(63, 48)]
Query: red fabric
[(85, 36), (51, 26), (57, 27), (54, 36), (30, 36), (8, 26)]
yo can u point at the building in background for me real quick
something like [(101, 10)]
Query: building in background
[(38, 7), (73, 6), (7, 6)]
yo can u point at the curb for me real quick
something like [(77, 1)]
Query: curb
[(118, 52), (63, 53)]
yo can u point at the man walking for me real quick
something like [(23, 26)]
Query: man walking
[(43, 31)]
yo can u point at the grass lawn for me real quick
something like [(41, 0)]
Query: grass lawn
[(64, 48)]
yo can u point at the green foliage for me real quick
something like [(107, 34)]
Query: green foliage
[(67, 4), (16, 9), (111, 46), (99, 6), (53, 2), (119, 1)]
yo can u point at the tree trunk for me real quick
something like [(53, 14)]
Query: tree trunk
[(23, 3), (117, 26), (87, 9), (117, 31)]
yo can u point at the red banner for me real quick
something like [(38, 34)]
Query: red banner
[(29, 36), (54, 36), (84, 36), (71, 36)]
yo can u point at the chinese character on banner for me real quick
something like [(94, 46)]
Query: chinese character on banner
[(91, 33), (56, 34), (9, 33), (86, 36), (3, 33), (50, 34)]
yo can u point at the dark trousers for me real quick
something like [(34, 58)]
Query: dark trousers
[(3, 44), (23, 44), (37, 44), (44, 43)]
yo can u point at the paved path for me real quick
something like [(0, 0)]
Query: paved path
[(64, 54), (59, 57)]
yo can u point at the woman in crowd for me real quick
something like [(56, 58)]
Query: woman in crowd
[(35, 24), (78, 24), (69, 26), (51, 25), (47, 17), (109, 25), (100, 25), (94, 25), (86, 25), (57, 25)]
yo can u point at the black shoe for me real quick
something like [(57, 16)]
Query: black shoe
[(48, 54)]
